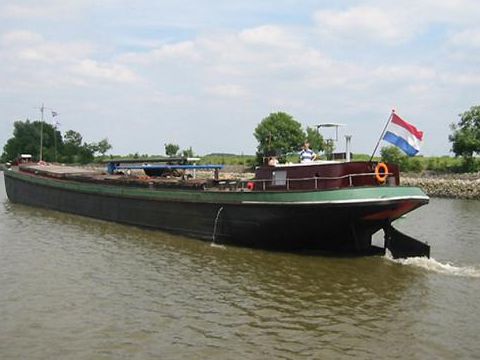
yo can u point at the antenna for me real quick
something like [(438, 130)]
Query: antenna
[(330, 125), (330, 141), (42, 120), (42, 109)]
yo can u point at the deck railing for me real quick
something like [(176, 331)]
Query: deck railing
[(289, 183)]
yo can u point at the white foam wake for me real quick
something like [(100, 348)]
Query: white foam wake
[(218, 246), (435, 266)]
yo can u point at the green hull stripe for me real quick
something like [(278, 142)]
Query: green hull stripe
[(345, 195)]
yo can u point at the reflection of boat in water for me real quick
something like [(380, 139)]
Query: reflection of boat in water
[(322, 205)]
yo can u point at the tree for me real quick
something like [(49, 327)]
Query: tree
[(72, 141), (26, 140), (171, 149), (69, 149), (188, 153), (278, 133), (392, 155), (73, 138), (85, 154), (466, 137), (102, 146), (75, 151), (315, 139)]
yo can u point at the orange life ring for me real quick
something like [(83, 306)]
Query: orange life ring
[(250, 185), (381, 172)]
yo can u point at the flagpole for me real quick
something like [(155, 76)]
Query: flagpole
[(54, 114), (383, 133), (41, 133), (55, 141)]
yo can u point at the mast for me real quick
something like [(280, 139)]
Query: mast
[(55, 140), (42, 109)]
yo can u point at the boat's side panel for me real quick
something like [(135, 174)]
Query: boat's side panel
[(169, 215), (252, 225)]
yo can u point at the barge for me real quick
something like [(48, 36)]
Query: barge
[(328, 206)]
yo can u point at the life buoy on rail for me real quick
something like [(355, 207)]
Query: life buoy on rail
[(250, 185), (381, 172)]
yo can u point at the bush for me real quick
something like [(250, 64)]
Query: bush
[(412, 165)]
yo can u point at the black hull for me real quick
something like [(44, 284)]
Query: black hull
[(286, 227)]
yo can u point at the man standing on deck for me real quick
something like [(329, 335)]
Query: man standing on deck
[(307, 155)]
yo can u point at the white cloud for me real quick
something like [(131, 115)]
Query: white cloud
[(163, 98), (90, 69), (28, 46), (31, 60), (53, 10), (405, 73), (15, 38), (184, 50), (227, 90), (365, 23), (268, 35), (25, 11), (461, 79), (392, 23), (469, 38), (420, 89), (458, 12)]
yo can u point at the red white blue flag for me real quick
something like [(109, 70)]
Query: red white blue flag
[(404, 135)]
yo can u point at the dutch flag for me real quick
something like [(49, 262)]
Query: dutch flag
[(404, 135)]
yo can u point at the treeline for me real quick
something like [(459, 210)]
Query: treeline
[(247, 161), (56, 147), (438, 164), (171, 150)]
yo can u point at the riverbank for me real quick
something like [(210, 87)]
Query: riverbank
[(451, 186)]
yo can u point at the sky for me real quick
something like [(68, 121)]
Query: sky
[(204, 73)]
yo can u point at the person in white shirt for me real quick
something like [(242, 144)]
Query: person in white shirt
[(307, 155)]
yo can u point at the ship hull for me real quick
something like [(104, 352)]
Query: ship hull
[(336, 220)]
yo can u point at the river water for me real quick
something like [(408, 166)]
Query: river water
[(77, 288)]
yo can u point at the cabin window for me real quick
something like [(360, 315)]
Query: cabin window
[(279, 178)]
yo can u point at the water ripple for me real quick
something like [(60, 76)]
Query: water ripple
[(76, 288)]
